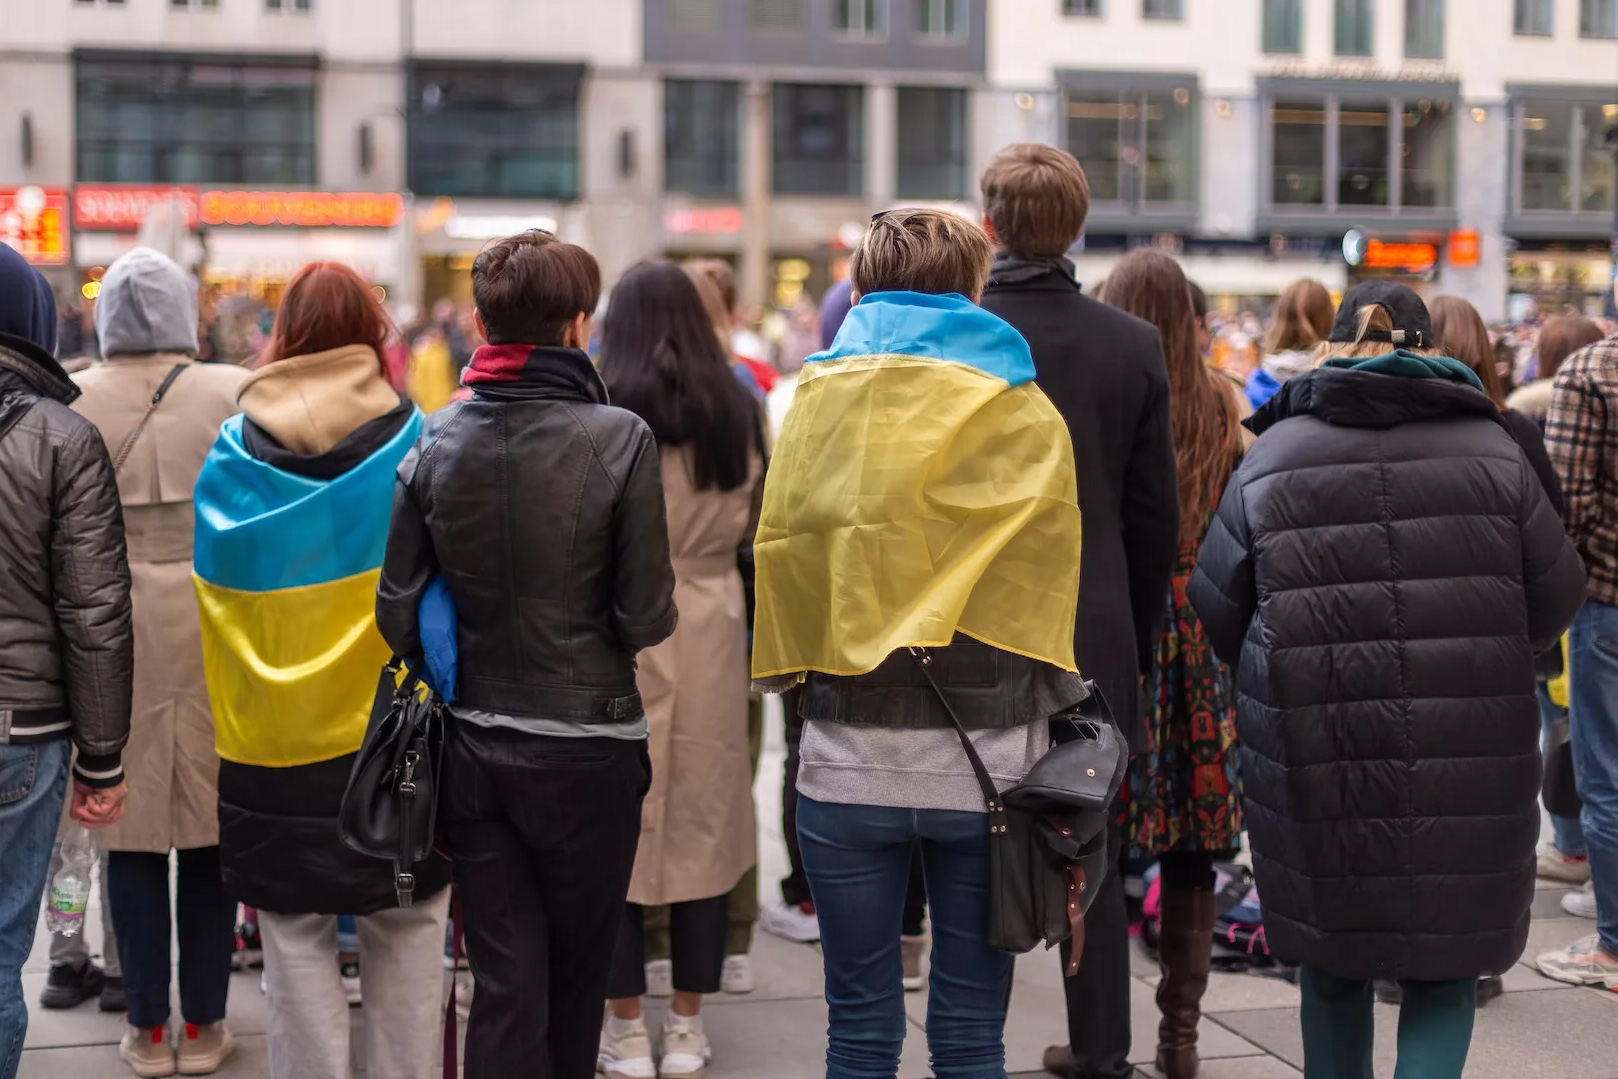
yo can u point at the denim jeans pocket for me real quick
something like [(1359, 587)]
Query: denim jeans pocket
[(18, 766)]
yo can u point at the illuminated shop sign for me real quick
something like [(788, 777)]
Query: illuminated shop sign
[(122, 207), (33, 222)]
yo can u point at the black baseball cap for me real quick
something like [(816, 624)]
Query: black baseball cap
[(1412, 325)]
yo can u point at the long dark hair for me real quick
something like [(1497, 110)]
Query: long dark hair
[(1207, 432), (662, 360), (1463, 336)]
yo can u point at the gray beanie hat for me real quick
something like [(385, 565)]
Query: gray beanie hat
[(147, 304)]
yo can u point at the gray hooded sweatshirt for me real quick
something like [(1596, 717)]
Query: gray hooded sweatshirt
[(147, 304)]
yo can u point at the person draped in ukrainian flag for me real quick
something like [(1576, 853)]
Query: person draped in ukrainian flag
[(292, 511), (922, 495)]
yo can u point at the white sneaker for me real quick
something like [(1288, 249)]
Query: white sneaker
[(626, 1050), (1552, 864), (1582, 903), (913, 957), (660, 978), (684, 1052), (790, 923), (737, 975), (148, 1052)]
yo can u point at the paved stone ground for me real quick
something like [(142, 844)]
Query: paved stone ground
[(1538, 1030)]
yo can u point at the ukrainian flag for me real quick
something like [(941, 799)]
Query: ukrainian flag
[(922, 486), (286, 569)]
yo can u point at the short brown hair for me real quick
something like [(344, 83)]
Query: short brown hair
[(917, 250), (528, 287), (1036, 198)]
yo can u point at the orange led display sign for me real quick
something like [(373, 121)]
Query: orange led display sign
[(1405, 257), (346, 209), (1463, 247), (33, 222)]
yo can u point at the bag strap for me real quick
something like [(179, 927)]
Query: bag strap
[(157, 399), (991, 793)]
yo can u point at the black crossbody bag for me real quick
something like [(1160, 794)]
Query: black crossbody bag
[(390, 808), (1048, 834)]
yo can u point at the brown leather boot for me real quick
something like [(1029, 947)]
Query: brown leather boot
[(1184, 955)]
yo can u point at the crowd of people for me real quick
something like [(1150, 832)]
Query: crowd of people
[(1323, 598)]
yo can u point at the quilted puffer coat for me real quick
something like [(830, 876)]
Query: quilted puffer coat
[(1383, 568)]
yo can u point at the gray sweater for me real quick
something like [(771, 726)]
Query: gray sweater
[(912, 769)]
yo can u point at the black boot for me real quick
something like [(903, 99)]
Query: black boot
[(68, 986), (113, 998)]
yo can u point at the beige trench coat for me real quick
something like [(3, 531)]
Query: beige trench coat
[(697, 833), (170, 764)]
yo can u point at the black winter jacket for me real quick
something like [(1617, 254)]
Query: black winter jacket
[(67, 645), (1383, 567), (542, 507), (1103, 370)]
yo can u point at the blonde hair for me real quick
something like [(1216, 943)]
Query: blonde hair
[(1303, 315), (1373, 318), (916, 250), (1036, 198)]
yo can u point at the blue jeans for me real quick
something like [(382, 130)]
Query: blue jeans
[(1569, 837), (33, 783), (1593, 724), (857, 859)]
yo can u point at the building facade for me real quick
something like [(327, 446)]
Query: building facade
[(1462, 145), (1459, 145)]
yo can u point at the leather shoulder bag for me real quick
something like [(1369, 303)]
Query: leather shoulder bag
[(390, 808), (1048, 834)]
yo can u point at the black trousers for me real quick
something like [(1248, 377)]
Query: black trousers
[(543, 833), (794, 886), (697, 937), (1098, 995), (138, 893)]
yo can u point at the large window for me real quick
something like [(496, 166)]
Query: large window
[(1534, 17), (776, 14), (1162, 9), (694, 16), (1355, 27), (1424, 29), (1089, 9), (941, 18), (194, 121), (1598, 18), (701, 137), (1138, 147), (494, 131), (819, 139), (860, 18), (1283, 26), (932, 143), (1332, 152), (1563, 161)]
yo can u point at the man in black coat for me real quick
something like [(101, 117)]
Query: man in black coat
[(1104, 372)]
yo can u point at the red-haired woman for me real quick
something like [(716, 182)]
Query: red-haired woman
[(292, 515)]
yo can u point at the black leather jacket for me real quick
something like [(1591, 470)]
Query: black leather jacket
[(542, 507), (67, 645)]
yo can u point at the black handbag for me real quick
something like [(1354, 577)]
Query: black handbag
[(1560, 793), (390, 808), (1048, 834)]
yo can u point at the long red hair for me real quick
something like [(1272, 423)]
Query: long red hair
[(327, 305)]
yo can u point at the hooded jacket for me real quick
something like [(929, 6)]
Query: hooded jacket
[(148, 308), (1383, 568), (66, 642)]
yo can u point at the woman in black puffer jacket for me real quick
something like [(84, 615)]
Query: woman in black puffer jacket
[(1383, 568)]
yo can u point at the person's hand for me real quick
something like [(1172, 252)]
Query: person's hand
[(97, 807)]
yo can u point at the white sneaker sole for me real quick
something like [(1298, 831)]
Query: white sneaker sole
[(680, 1066), (641, 1068), (212, 1062), (147, 1069)]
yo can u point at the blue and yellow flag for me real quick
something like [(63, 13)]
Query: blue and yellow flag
[(285, 570), (922, 486)]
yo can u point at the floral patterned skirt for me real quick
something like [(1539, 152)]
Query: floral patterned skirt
[(1183, 793)]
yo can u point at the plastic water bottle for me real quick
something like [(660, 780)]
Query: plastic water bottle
[(70, 888)]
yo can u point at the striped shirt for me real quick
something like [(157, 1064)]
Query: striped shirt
[(1581, 433)]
